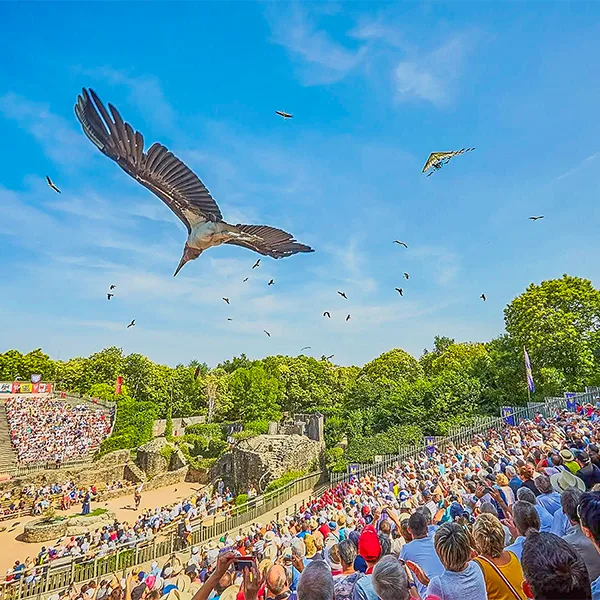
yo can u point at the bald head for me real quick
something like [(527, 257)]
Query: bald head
[(277, 580)]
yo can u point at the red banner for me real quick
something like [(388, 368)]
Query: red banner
[(119, 385)]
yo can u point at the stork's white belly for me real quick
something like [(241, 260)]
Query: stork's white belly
[(209, 234)]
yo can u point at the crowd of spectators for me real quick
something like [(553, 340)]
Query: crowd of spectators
[(52, 430), (509, 515)]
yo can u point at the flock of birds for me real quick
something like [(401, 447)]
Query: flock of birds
[(183, 192)]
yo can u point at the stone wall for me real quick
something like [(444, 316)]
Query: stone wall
[(179, 425), (263, 458), (310, 425), (167, 478)]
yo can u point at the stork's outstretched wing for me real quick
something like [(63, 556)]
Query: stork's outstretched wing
[(436, 158), (158, 169), (269, 241)]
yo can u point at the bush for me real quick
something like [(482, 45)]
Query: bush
[(257, 427), (243, 435), (364, 449), (283, 480), (209, 430), (241, 499), (167, 452)]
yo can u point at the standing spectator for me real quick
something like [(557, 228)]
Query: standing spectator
[(546, 519), (553, 569), (569, 460), (589, 514), (461, 579), (526, 472), (502, 482), (585, 547), (316, 582), (514, 482), (421, 550), (525, 518), (390, 580), (589, 473), (344, 584), (548, 498), (501, 569), (369, 547)]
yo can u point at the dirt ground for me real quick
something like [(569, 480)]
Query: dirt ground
[(11, 548)]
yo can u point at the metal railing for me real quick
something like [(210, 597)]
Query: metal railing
[(58, 575)]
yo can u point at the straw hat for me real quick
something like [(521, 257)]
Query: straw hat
[(561, 481), (567, 455)]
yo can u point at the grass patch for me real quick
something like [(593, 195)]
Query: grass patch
[(97, 512)]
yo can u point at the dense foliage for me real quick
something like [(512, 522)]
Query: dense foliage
[(393, 399)]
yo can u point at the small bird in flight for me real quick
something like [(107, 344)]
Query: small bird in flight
[(305, 348), (327, 314), (400, 291), (343, 295), (112, 287), (229, 319), (284, 114), (256, 264), (406, 276), (244, 280), (131, 324), (267, 332), (536, 218), (226, 300), (271, 282), (329, 357), (50, 184), (348, 318), (483, 297), (401, 243), (166, 176), (109, 296)]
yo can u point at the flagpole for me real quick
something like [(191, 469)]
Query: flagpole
[(526, 375)]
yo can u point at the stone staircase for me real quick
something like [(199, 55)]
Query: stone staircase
[(8, 458)]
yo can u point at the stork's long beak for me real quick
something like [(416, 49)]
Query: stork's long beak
[(180, 265)]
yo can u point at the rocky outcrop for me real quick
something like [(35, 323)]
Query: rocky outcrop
[(154, 457), (42, 530)]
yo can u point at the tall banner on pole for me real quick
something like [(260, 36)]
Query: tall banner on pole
[(119, 385), (571, 402), (530, 382)]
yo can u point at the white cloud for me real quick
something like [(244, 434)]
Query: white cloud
[(145, 92), (327, 61), (432, 77), (57, 137)]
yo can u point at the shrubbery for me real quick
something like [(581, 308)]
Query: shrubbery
[(283, 480)]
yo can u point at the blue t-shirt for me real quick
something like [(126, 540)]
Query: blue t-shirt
[(517, 547), (551, 502), (465, 585), (560, 523), (363, 589), (546, 519), (596, 589), (423, 553)]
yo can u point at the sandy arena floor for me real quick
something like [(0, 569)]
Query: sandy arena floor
[(11, 548)]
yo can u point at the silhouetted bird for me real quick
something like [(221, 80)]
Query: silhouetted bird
[(327, 314), (50, 184), (177, 186), (536, 218), (271, 282), (483, 297), (131, 324), (112, 287), (329, 357), (343, 295), (244, 280), (284, 114), (256, 264), (226, 300), (196, 373), (406, 276), (305, 348), (267, 332), (229, 319), (348, 318), (400, 243), (400, 291), (109, 296)]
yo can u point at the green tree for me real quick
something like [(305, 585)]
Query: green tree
[(559, 322), (255, 394)]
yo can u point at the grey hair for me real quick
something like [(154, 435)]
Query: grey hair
[(488, 507), (347, 550), (511, 471), (316, 582), (542, 483), (526, 495), (389, 580)]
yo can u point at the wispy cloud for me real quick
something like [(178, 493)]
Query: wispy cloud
[(145, 92), (58, 137), (442, 263), (434, 76), (327, 60), (584, 163)]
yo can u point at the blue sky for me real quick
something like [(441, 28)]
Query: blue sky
[(374, 88)]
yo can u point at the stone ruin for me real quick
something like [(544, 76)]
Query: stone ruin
[(291, 445)]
